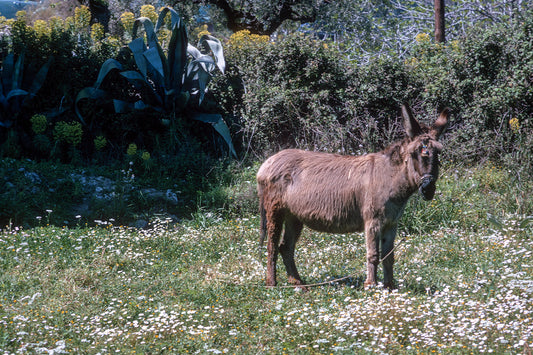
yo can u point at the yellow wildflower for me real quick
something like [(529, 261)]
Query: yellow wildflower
[(514, 124), (55, 23)]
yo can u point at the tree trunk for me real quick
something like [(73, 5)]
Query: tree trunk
[(439, 21)]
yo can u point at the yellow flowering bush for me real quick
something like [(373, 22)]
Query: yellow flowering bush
[(100, 142), (422, 38), (97, 32), (149, 11), (56, 23), (132, 149), (38, 123), (244, 38), (41, 28), (145, 156), (82, 17), (198, 32), (70, 133), (21, 15), (127, 19)]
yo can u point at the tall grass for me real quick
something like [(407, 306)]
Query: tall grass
[(465, 284)]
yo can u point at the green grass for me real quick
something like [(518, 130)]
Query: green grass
[(465, 284)]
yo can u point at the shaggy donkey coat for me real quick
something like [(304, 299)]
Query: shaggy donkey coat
[(343, 194)]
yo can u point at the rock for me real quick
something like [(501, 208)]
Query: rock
[(139, 224)]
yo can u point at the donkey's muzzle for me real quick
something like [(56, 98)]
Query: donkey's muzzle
[(427, 187)]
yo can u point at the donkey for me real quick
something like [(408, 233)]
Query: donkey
[(344, 194)]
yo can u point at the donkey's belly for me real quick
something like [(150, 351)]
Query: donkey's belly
[(334, 224)]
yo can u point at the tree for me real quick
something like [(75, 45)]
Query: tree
[(439, 21), (264, 17)]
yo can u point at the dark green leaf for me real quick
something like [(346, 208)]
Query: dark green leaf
[(219, 125)]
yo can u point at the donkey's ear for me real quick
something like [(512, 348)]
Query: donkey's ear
[(441, 123), (412, 128)]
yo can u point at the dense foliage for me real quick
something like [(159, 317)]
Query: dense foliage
[(298, 92), (288, 90)]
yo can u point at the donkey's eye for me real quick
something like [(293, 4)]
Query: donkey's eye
[(424, 150)]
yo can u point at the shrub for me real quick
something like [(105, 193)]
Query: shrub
[(486, 78), (299, 92)]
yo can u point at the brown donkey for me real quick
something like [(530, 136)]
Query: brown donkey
[(343, 194)]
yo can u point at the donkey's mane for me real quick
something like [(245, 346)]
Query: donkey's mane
[(394, 151)]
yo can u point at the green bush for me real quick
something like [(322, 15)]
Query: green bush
[(287, 93), (298, 92), (486, 79)]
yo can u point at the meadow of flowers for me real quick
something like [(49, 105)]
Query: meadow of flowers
[(198, 287)]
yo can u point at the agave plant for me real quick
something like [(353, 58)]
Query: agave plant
[(166, 82), (12, 95)]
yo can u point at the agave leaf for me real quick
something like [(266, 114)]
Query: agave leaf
[(216, 48), (39, 79), (148, 28), (174, 18), (125, 106), (138, 47), (141, 83), (207, 63), (122, 106), (193, 51), (203, 79), (17, 72), (16, 92), (219, 125), (7, 71), (106, 68), (88, 93), (154, 59), (140, 105), (155, 54), (177, 56)]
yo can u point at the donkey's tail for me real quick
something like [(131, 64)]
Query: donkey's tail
[(263, 226)]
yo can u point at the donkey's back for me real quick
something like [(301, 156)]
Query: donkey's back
[(326, 192)]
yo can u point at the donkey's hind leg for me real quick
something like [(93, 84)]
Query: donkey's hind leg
[(274, 225), (293, 229)]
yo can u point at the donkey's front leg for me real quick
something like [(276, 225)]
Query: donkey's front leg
[(372, 234), (387, 255)]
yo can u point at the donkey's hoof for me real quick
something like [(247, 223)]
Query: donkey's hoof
[(270, 283), (369, 285), (298, 284), (301, 288), (389, 286)]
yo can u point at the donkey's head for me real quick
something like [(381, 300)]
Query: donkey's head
[(422, 150)]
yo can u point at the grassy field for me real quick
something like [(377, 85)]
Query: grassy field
[(465, 282)]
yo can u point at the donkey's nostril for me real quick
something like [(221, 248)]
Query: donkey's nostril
[(427, 187)]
